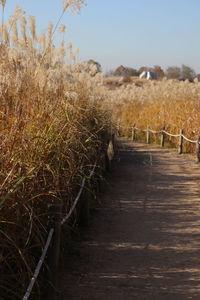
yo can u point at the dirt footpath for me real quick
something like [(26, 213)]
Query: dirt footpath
[(144, 240)]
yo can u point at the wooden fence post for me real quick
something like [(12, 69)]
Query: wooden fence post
[(162, 139), (54, 211), (113, 143), (148, 135), (198, 149), (133, 133), (180, 142)]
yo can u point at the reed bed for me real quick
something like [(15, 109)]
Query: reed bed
[(52, 130), (53, 120), (168, 104)]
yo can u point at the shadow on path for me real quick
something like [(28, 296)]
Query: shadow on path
[(144, 240)]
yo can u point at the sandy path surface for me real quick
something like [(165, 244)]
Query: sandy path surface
[(143, 242)]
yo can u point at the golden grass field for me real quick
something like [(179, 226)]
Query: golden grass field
[(52, 131), (53, 117), (171, 104)]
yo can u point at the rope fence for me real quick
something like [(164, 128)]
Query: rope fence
[(74, 203), (54, 231), (170, 134), (52, 243), (39, 265), (163, 132), (188, 140)]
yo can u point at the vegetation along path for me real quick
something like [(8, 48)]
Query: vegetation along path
[(144, 240)]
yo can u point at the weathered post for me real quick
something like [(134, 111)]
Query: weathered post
[(54, 211), (133, 133), (148, 135), (198, 149), (118, 129), (113, 143), (111, 130), (180, 142), (162, 139)]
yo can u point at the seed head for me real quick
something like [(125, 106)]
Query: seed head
[(49, 32), (74, 4), (62, 50), (76, 50), (3, 3), (62, 28), (6, 35), (69, 46), (66, 4), (31, 23), (22, 23), (14, 35)]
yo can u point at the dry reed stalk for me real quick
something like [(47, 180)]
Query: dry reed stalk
[(51, 131)]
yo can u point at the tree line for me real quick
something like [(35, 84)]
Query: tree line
[(172, 72)]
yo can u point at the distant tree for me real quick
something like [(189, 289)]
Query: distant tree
[(91, 67), (187, 72), (125, 71), (173, 72), (198, 77), (131, 72), (120, 71), (96, 63), (158, 71)]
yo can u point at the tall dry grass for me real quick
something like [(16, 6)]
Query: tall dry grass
[(52, 129), (170, 104)]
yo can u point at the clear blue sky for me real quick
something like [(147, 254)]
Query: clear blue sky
[(130, 32)]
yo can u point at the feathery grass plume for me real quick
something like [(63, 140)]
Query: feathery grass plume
[(14, 34), (66, 4), (72, 56), (22, 44), (49, 33), (31, 23), (18, 12), (2, 3), (22, 23), (42, 40), (6, 37), (76, 50), (62, 28), (69, 46), (62, 50), (75, 5)]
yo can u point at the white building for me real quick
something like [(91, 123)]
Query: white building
[(148, 75)]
